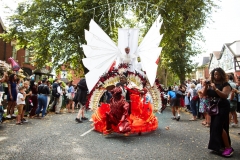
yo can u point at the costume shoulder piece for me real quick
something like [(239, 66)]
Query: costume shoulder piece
[(102, 53)]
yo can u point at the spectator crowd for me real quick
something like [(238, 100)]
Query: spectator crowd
[(36, 99), (28, 98), (199, 96)]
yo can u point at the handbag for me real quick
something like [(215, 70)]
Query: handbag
[(213, 109), (69, 96), (233, 104)]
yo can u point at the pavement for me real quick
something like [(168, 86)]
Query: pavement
[(58, 136)]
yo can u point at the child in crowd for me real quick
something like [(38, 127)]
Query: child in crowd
[(26, 106), (20, 104), (204, 103)]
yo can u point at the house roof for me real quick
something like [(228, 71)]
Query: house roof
[(217, 54), (203, 61), (233, 47), (1, 22)]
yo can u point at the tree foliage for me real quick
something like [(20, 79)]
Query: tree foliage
[(183, 21), (54, 29)]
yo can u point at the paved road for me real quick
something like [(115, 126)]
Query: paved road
[(59, 137)]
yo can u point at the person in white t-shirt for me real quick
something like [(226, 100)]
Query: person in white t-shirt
[(175, 88), (199, 85), (20, 104), (187, 98)]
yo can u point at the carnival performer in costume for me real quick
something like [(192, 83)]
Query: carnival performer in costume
[(118, 113), (116, 117), (106, 61)]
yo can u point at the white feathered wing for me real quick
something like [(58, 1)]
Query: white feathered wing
[(149, 51), (100, 53)]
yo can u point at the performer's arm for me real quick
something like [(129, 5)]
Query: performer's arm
[(4, 77), (9, 90), (125, 113)]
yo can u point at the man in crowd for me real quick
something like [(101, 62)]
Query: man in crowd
[(54, 99), (175, 87), (81, 98), (233, 102), (43, 92), (59, 97)]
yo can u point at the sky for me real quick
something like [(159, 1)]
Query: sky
[(224, 29)]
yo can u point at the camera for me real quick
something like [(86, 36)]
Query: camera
[(207, 82)]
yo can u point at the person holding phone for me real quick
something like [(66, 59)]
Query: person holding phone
[(218, 90)]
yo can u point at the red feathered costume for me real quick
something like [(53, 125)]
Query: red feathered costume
[(115, 118), (118, 113)]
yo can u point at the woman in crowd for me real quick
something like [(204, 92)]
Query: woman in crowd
[(34, 89), (182, 88), (218, 90), (70, 94), (12, 95), (49, 96), (193, 101), (18, 81), (187, 98), (174, 103), (81, 98)]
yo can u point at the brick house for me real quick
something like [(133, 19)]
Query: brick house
[(202, 69), (63, 75), (5, 48), (8, 50), (228, 58), (21, 56)]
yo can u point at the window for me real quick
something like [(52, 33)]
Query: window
[(14, 53), (26, 57), (64, 74), (200, 74)]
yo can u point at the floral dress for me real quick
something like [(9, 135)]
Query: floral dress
[(204, 103)]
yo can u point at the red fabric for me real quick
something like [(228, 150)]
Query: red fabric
[(112, 66), (124, 126), (182, 102), (157, 61), (118, 112), (141, 119), (132, 90)]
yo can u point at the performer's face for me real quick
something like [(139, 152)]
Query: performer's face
[(127, 50), (123, 80)]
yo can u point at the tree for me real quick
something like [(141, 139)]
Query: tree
[(55, 29), (183, 21)]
